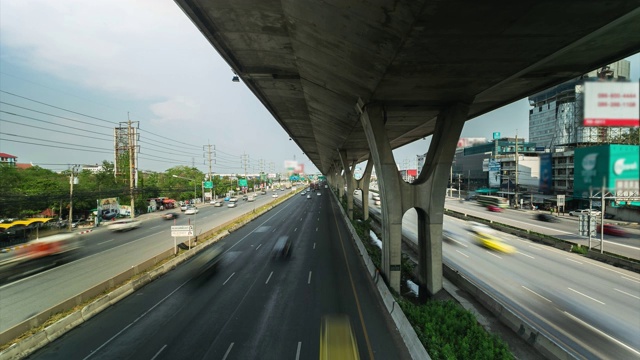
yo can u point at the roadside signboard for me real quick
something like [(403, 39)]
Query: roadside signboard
[(181, 230), (560, 200), (208, 184)]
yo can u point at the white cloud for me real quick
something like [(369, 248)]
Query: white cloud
[(145, 49), (174, 110)]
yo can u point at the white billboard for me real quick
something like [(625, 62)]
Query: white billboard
[(611, 104)]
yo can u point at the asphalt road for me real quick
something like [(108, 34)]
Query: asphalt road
[(590, 308), (255, 306), (565, 229), (105, 255)]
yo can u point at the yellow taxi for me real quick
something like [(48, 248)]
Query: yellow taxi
[(337, 340)]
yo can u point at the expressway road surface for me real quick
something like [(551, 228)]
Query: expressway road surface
[(565, 229), (106, 254), (255, 306), (588, 307)]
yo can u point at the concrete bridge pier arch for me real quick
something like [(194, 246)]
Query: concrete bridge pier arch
[(389, 183), (349, 170), (427, 194), (363, 185)]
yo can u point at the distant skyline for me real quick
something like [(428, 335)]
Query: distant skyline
[(71, 70)]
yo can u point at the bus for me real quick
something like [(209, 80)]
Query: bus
[(486, 200)]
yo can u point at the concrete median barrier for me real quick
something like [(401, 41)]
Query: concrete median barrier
[(25, 347), (95, 307), (63, 325), (120, 293)]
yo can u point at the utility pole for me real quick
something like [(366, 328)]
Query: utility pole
[(132, 166), (209, 152), (72, 180), (516, 189), (459, 186), (450, 181)]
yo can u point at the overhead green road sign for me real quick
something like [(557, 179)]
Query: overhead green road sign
[(208, 184), (243, 182)]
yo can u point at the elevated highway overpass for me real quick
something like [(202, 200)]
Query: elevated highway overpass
[(350, 81)]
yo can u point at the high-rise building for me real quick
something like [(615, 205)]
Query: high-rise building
[(556, 116)]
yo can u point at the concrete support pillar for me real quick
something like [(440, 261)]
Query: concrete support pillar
[(427, 195), (340, 183), (389, 183), (349, 169), (363, 184)]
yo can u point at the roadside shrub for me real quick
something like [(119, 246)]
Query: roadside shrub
[(450, 332), (579, 249)]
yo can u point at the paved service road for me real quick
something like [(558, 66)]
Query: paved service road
[(255, 306)]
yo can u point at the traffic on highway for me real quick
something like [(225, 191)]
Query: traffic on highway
[(238, 301), (588, 307)]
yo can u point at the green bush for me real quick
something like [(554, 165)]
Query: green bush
[(579, 249), (450, 332)]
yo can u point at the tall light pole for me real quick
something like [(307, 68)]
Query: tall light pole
[(195, 194)]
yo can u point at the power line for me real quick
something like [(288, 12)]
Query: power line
[(164, 149), (59, 108), (172, 140), (58, 131), (51, 141), (54, 115), (52, 123), (57, 147)]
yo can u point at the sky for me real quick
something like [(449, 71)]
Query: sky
[(72, 70)]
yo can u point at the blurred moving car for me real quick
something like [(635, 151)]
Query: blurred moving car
[(207, 262), (123, 225), (337, 340), (40, 254), (245, 197), (233, 199), (486, 237), (494, 208), (191, 210), (170, 216), (613, 230), (232, 204), (251, 198), (282, 247), (308, 196), (318, 193), (274, 195), (217, 203), (546, 218), (184, 207), (79, 223), (584, 212), (109, 214)]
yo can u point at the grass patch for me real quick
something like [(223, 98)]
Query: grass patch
[(449, 332), (579, 249)]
